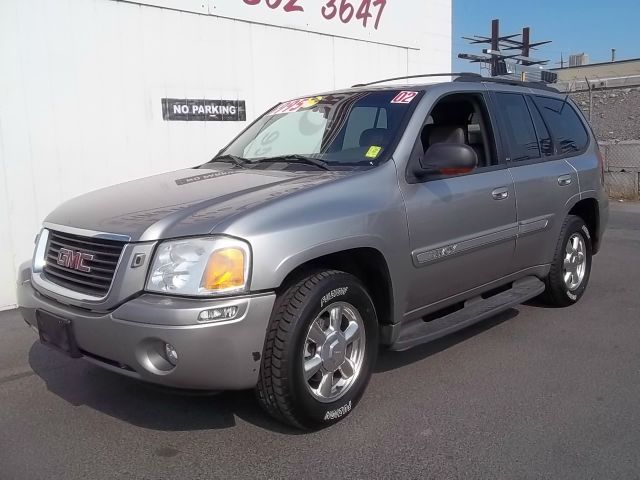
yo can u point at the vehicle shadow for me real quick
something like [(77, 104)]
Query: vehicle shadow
[(538, 303), (143, 404), (390, 360), (163, 409)]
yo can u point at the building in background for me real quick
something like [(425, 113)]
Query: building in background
[(621, 69), (578, 60), (96, 92)]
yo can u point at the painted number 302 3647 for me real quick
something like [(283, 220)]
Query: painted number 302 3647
[(346, 11)]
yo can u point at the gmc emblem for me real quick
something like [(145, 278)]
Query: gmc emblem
[(74, 260)]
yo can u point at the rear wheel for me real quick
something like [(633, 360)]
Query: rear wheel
[(571, 267), (319, 351)]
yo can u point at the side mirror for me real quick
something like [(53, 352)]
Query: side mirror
[(448, 159)]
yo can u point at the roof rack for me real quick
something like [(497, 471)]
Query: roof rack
[(467, 77), (508, 81), (426, 75)]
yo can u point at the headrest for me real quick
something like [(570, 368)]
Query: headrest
[(374, 136), (446, 134), (475, 136)]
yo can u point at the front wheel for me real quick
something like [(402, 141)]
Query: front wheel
[(319, 351), (571, 266)]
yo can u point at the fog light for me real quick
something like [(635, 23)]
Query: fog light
[(171, 354), (217, 314)]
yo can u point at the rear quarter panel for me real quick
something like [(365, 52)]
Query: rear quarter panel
[(590, 174), (591, 186)]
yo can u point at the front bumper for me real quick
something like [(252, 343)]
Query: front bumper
[(129, 340)]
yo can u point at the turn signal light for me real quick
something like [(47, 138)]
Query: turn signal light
[(225, 269)]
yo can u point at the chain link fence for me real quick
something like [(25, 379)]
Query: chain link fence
[(622, 168)]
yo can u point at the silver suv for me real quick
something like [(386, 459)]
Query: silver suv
[(334, 224)]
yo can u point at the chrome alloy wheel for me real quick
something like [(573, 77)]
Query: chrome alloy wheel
[(575, 262), (333, 352)]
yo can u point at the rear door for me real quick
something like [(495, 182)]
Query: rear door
[(544, 181)]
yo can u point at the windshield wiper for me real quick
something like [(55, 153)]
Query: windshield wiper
[(295, 158), (236, 160)]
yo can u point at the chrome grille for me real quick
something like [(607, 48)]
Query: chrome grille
[(102, 266)]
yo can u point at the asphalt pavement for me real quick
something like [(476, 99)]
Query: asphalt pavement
[(532, 393)]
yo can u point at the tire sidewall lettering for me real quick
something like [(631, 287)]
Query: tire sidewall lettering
[(332, 295), (338, 412)]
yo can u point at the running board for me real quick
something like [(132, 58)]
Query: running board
[(418, 331)]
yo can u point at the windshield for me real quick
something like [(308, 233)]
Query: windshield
[(338, 129)]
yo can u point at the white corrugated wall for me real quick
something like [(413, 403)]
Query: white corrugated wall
[(81, 83)]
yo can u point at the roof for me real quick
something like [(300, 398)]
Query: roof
[(617, 62)]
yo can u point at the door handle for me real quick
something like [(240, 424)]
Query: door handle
[(564, 180), (500, 193)]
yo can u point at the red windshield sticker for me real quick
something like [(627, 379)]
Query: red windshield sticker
[(295, 105), (404, 97)]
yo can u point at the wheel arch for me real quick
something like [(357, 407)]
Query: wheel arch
[(588, 209), (368, 264)]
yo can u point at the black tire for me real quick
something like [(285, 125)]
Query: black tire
[(282, 390), (557, 292)]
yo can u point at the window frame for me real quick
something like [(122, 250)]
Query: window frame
[(494, 134)]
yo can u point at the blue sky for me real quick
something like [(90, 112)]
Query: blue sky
[(593, 27)]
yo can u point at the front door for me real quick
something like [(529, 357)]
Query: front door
[(462, 228)]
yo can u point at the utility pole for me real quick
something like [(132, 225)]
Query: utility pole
[(526, 42), (495, 45)]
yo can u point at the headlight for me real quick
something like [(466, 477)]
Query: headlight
[(200, 266)]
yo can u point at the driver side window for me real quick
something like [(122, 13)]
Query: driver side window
[(461, 118)]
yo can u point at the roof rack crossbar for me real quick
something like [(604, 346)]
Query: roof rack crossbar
[(426, 75)]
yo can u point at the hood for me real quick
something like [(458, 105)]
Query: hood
[(181, 203)]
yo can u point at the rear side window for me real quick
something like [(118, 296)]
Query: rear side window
[(544, 138), (566, 127), (520, 133)]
